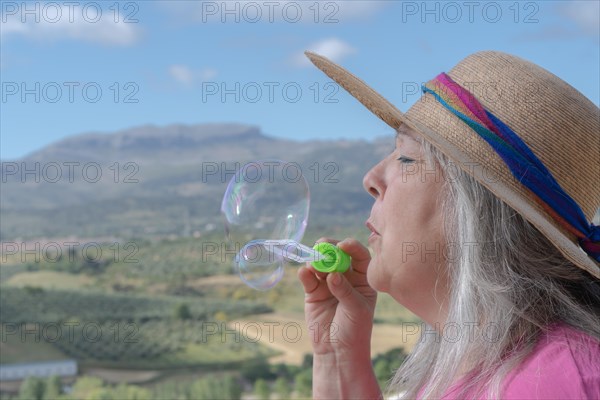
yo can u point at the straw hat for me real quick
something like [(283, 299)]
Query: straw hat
[(558, 123)]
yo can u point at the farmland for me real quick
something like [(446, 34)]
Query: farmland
[(169, 314)]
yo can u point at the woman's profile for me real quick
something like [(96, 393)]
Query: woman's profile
[(481, 227)]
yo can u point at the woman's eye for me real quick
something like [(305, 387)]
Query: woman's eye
[(405, 159)]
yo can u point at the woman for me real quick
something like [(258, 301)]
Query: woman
[(479, 227)]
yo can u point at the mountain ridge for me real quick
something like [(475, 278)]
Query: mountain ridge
[(162, 174)]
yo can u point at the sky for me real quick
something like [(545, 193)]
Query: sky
[(70, 67)]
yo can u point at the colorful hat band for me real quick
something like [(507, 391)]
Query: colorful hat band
[(519, 158)]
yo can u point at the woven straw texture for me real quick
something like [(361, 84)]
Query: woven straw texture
[(558, 123)]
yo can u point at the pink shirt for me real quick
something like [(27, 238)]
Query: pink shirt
[(564, 364)]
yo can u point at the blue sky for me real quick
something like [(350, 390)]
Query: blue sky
[(164, 62)]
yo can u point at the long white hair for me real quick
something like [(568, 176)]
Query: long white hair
[(505, 291)]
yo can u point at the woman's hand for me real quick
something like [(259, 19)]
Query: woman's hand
[(339, 307), (339, 312)]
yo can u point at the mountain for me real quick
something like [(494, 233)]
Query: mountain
[(153, 181)]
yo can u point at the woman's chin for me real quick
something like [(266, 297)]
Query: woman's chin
[(375, 279)]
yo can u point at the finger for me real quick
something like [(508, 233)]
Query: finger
[(344, 292), (328, 240), (309, 280), (358, 252), (315, 289), (319, 274)]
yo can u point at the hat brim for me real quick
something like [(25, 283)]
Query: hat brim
[(374, 102), (393, 117)]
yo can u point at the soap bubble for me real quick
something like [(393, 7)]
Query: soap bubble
[(259, 267), (265, 200)]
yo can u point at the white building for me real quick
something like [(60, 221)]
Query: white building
[(17, 372)]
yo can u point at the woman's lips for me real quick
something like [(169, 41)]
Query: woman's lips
[(374, 232)]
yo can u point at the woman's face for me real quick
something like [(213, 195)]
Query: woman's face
[(407, 232)]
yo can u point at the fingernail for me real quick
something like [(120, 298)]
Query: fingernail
[(337, 279)]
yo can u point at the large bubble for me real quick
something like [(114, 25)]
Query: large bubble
[(265, 200)]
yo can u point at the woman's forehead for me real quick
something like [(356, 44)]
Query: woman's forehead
[(405, 133)]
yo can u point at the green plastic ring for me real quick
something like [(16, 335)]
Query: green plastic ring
[(338, 260)]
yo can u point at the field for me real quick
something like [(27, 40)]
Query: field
[(290, 336), (169, 318), (15, 350), (50, 280), (126, 331)]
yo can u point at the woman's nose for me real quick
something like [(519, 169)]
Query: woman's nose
[(373, 182)]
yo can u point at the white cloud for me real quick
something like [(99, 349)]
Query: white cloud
[(207, 73), (12, 26), (187, 76), (334, 49), (574, 20), (106, 29), (181, 74), (585, 14)]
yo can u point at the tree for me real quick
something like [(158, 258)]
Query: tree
[(282, 388), (303, 383), (382, 371), (53, 388), (282, 370), (307, 361), (131, 392), (182, 311), (172, 390), (32, 388), (385, 364), (257, 369), (85, 387), (262, 390), (210, 388), (101, 394)]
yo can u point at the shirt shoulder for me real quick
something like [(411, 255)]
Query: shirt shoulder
[(564, 364)]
